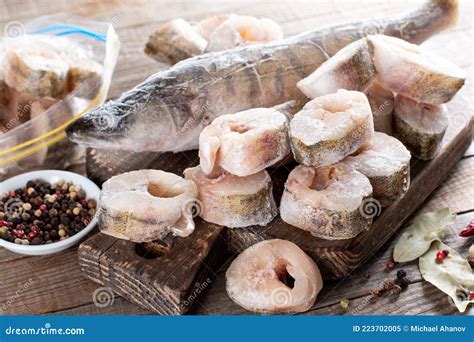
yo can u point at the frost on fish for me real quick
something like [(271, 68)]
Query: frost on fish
[(408, 70), (244, 143), (351, 68), (168, 110), (147, 205), (233, 201), (50, 66), (174, 41), (386, 162), (178, 39), (381, 102), (274, 276), (420, 126), (239, 30), (326, 201), (331, 127)]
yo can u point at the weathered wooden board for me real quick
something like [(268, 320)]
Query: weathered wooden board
[(166, 283)]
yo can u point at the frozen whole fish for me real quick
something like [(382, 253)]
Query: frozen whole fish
[(386, 162), (179, 39), (274, 276), (420, 126), (327, 201), (168, 110), (233, 201), (331, 127), (147, 205), (244, 143)]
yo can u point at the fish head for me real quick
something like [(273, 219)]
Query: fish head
[(104, 127), (163, 122)]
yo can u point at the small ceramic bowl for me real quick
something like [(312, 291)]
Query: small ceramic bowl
[(52, 176)]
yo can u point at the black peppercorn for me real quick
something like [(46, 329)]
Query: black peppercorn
[(401, 274)]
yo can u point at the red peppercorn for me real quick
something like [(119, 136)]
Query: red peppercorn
[(468, 231), (32, 235), (18, 233), (390, 265), (440, 256), (43, 207), (471, 295)]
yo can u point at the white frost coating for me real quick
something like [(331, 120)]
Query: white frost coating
[(422, 117), (146, 205), (382, 156), (331, 116), (237, 30), (336, 187), (244, 143), (233, 201), (343, 120), (255, 279), (350, 68), (408, 70)]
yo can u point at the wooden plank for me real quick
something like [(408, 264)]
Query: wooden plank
[(420, 298), (357, 285), (43, 284), (457, 191), (118, 307)]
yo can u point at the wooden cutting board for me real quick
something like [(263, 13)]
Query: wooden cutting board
[(336, 258)]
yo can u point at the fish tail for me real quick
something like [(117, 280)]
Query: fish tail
[(424, 22)]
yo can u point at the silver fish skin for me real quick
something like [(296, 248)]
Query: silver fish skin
[(167, 111)]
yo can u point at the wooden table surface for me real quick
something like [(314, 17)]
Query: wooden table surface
[(54, 285)]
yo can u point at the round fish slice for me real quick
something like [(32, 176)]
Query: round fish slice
[(233, 201), (244, 143), (420, 126), (406, 69), (147, 205), (386, 162), (327, 201), (351, 68), (331, 127), (274, 276)]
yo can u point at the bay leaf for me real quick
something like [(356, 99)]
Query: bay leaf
[(448, 275), (417, 238)]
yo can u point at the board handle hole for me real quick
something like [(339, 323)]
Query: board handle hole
[(151, 250)]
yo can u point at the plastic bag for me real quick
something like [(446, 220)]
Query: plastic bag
[(79, 56)]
